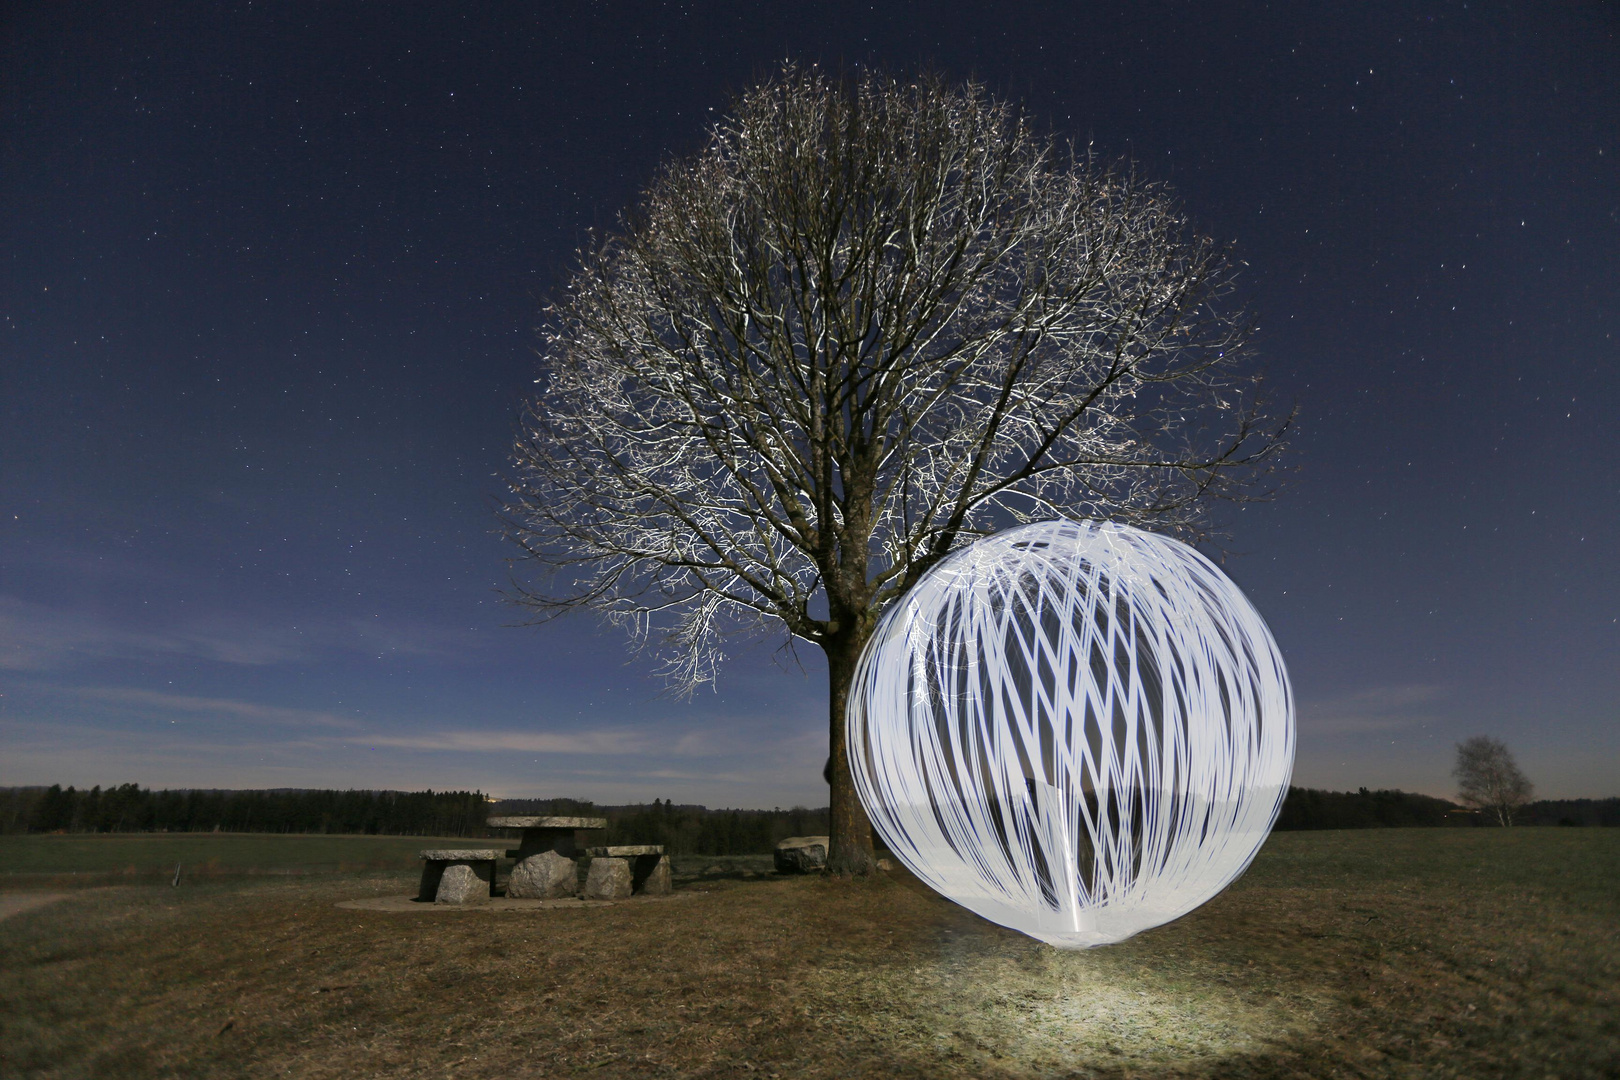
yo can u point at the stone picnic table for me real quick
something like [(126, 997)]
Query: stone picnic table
[(546, 868), (545, 853)]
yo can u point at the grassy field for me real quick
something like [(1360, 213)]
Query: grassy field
[(1399, 953), (209, 854)]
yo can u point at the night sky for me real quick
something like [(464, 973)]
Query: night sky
[(269, 283)]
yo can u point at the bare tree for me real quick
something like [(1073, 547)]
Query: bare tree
[(1489, 779), (869, 322)]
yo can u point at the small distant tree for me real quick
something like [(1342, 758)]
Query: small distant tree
[(1489, 779)]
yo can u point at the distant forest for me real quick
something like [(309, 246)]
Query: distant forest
[(131, 808), (1311, 808), (683, 830)]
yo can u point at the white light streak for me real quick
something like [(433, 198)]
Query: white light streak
[(1077, 730)]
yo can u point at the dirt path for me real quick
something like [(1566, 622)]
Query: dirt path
[(17, 903)]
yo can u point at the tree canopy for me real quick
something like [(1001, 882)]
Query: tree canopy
[(1489, 779), (871, 320)]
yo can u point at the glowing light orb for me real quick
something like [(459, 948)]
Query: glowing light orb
[(1076, 729)]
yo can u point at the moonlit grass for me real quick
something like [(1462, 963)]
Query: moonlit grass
[(1076, 729)]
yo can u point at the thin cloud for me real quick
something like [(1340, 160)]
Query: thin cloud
[(703, 744), (662, 741), (36, 637), (751, 734), (144, 700), (701, 778), (1380, 708), (539, 742)]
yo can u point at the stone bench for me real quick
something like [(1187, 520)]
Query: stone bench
[(457, 876), (628, 869)]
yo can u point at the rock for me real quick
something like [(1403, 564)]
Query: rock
[(658, 881), (885, 865), (546, 876), (608, 879), (802, 854), (464, 883)]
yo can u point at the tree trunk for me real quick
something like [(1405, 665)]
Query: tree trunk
[(850, 829)]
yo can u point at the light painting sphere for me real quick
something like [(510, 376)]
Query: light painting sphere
[(1080, 730)]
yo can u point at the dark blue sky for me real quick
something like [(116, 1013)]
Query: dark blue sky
[(268, 289)]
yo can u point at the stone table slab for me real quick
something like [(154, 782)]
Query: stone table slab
[(546, 833), (524, 822)]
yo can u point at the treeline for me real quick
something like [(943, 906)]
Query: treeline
[(1310, 808), (131, 808), (685, 830), (1596, 812)]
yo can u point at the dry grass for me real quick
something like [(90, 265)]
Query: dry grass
[(110, 858), (1391, 953)]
